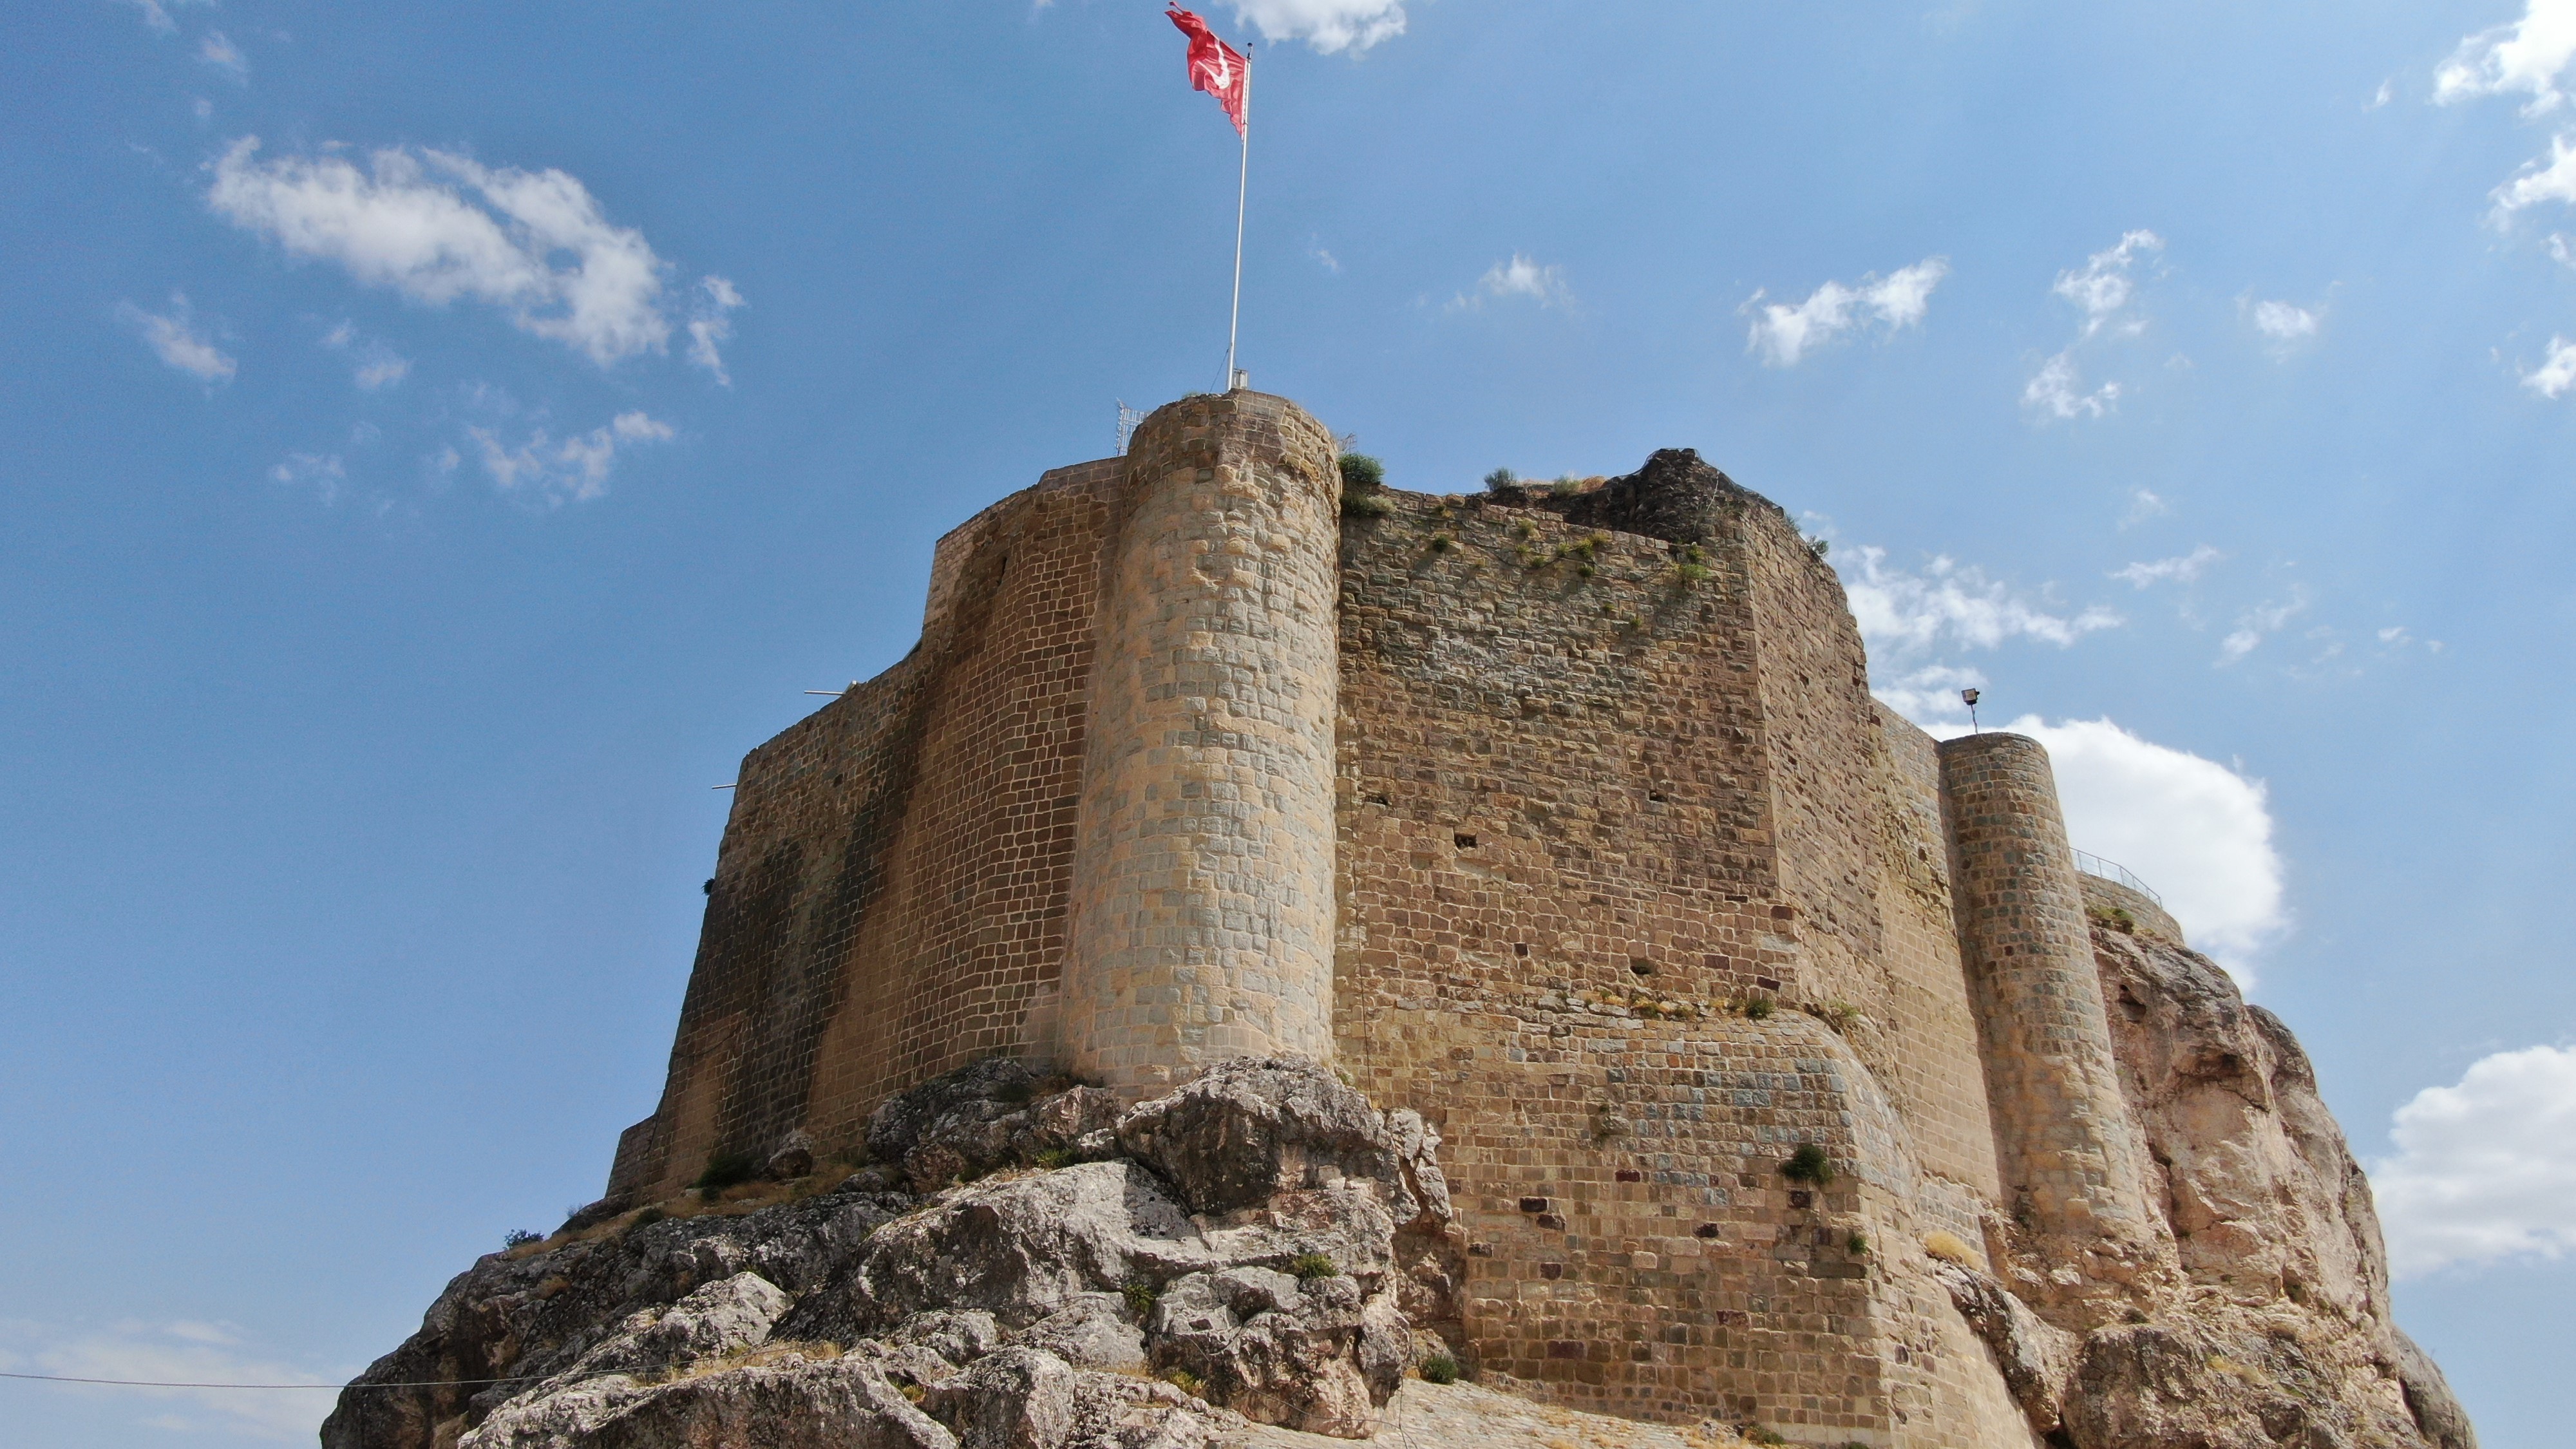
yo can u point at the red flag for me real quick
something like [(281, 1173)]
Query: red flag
[(1215, 67)]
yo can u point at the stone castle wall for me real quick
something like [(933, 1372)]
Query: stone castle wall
[(1509, 805), (891, 894)]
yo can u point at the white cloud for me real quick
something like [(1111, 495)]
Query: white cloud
[(2186, 568), (2104, 286), (2526, 55), (2387, 92), (176, 340), (1518, 277), (2284, 323), (2255, 623), (376, 366), (218, 51), (2143, 505), (322, 473), (157, 15), (2486, 1169), (1930, 695), (2057, 390), (1324, 258), (1785, 333), (1326, 25), (2102, 289), (437, 227), (186, 1352), (1902, 612), (2554, 180), (575, 469), (711, 325), (2196, 831), (2553, 377)]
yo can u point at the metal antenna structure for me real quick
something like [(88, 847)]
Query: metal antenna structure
[(1128, 418)]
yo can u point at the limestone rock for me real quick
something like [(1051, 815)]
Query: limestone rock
[(793, 1157), (2036, 1359), (1016, 1398), (837, 1404), (1094, 1331), (1026, 1247), (1250, 1127), (995, 1113), (1271, 1348), (1004, 1314)]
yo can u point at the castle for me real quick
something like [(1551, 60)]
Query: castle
[(1563, 817)]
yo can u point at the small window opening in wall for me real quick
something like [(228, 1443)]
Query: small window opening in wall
[(1642, 968), (1377, 799), (1465, 842), (1655, 795), (1520, 948)]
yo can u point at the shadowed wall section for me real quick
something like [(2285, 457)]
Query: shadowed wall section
[(890, 897)]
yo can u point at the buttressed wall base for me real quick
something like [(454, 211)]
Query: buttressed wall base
[(1563, 818)]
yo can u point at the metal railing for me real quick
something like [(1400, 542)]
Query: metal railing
[(2112, 870)]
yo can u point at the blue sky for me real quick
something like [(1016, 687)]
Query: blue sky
[(436, 442)]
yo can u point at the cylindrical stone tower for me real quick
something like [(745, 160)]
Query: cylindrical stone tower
[(1202, 910), (2069, 1160)]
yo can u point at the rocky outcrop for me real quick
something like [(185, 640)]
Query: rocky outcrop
[(1255, 1239), (2280, 1332)]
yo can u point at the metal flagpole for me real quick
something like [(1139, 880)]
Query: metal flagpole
[(1242, 188)]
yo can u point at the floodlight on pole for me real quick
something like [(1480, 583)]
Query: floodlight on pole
[(1968, 697)]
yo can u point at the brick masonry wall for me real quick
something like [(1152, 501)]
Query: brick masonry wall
[(1561, 859), (1203, 894), (890, 895), (2072, 1180)]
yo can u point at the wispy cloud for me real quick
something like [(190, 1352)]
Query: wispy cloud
[(1784, 333), (2550, 179), (2485, 1170), (217, 50), (574, 469), (1517, 278), (2282, 323), (711, 325), (2556, 373), (2186, 568), (175, 339), (2258, 623), (1930, 694), (2057, 391), (2104, 287), (1900, 611), (157, 15), (1325, 25), (2144, 503), (324, 473), (1323, 258), (374, 365), (182, 1351), (438, 227), (2527, 55)]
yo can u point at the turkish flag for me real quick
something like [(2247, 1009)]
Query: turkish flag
[(1216, 67)]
